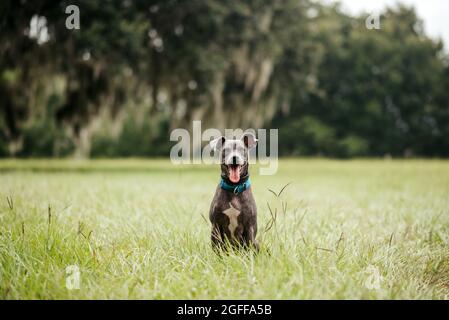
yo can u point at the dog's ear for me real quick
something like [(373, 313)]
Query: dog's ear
[(217, 144), (249, 140)]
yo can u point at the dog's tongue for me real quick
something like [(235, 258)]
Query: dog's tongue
[(234, 174)]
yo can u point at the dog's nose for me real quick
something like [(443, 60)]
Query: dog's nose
[(234, 160)]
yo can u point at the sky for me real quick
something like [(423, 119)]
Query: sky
[(434, 13)]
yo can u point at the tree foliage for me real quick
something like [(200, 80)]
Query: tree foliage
[(137, 69)]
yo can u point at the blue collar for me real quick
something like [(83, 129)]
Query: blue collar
[(236, 188)]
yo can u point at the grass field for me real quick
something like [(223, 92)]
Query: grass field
[(360, 229)]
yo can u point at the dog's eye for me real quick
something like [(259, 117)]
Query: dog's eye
[(227, 150)]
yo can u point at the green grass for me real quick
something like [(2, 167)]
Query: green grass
[(135, 230)]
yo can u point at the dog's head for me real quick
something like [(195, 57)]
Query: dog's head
[(234, 156)]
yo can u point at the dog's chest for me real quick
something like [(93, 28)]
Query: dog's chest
[(233, 212)]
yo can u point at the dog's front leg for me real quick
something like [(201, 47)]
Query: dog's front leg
[(249, 236), (217, 237)]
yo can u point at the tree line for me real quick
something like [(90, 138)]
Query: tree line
[(135, 70)]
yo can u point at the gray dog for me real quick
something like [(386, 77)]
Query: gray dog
[(233, 211)]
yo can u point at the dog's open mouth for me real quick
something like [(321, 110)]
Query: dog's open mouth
[(234, 172)]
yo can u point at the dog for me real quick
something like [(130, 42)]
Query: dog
[(233, 211)]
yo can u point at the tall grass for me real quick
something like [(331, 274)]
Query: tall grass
[(136, 230)]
